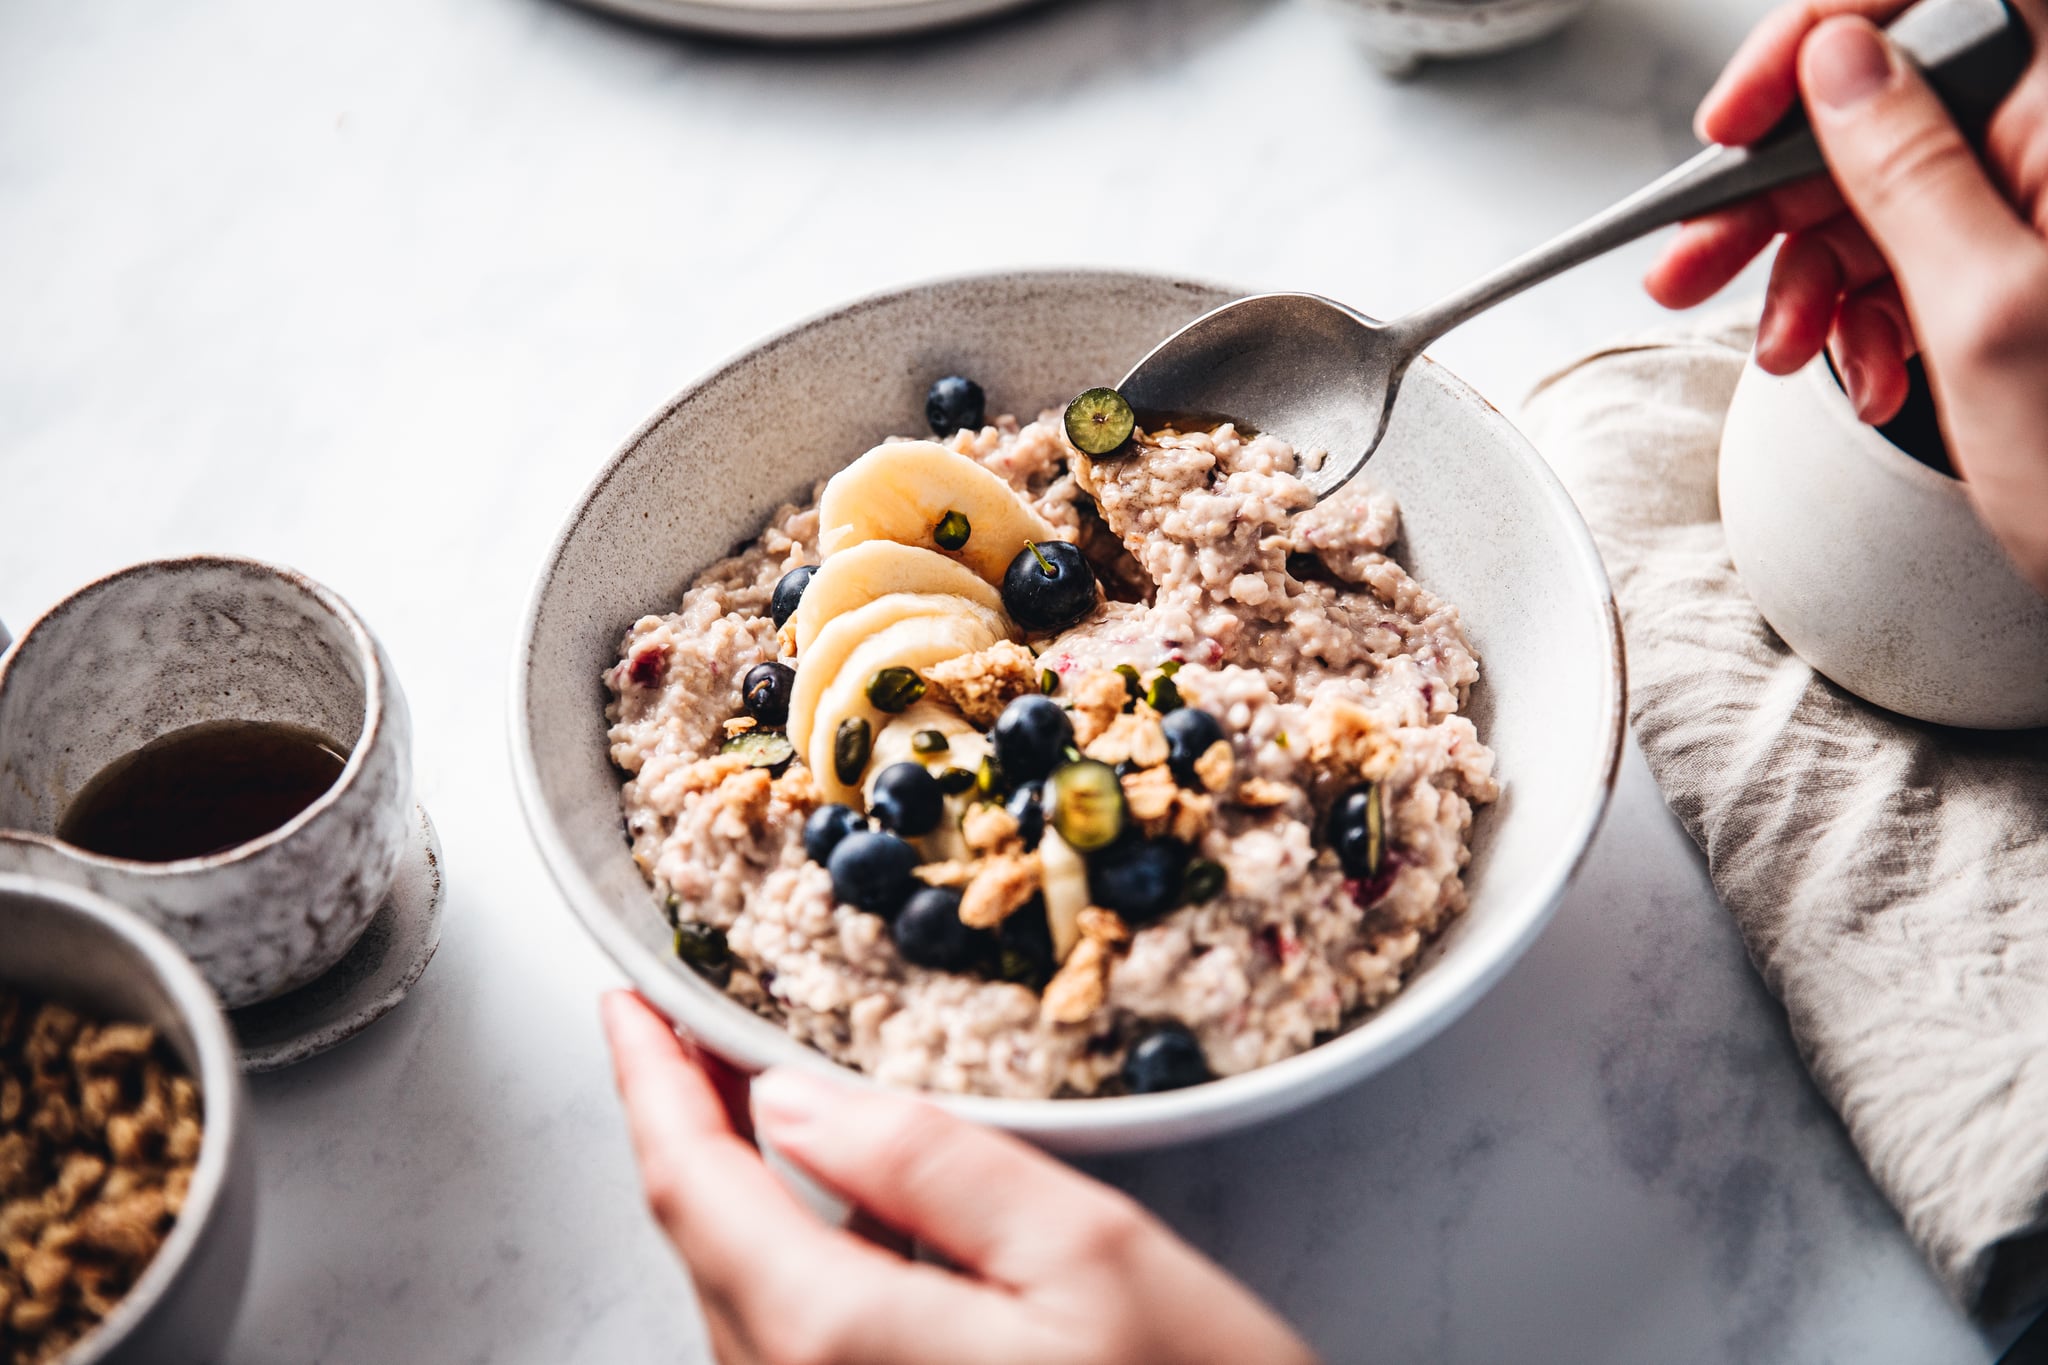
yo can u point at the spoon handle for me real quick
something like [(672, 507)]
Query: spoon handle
[(1971, 51)]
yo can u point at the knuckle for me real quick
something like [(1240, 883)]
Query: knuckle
[(2007, 319), (665, 1199), (811, 1337), (903, 1135), (1107, 1231), (1916, 160)]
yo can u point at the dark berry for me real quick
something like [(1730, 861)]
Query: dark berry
[(1140, 879), (703, 946), (768, 749), (1167, 1058), (1048, 586), (765, 692), (1027, 808), (789, 590), (907, 800), (1031, 737), (929, 933), (871, 872), (952, 403), (1024, 947), (1357, 830), (1100, 422), (1086, 804), (1190, 732), (826, 827)]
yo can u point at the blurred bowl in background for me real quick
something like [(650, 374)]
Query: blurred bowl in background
[(1400, 35), (806, 21)]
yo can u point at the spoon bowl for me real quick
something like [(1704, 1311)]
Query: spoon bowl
[(1307, 369)]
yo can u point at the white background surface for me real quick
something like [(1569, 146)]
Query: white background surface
[(372, 288)]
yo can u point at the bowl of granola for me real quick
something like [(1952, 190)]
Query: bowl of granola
[(127, 1194), (961, 728)]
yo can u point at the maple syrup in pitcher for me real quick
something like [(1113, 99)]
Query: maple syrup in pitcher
[(200, 790)]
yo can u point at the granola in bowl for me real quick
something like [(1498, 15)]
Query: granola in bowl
[(999, 767), (100, 1131)]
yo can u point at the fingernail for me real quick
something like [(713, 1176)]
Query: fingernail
[(787, 1096), (1847, 61), (1856, 380), (1767, 329)]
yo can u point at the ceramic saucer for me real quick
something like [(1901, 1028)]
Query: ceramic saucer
[(365, 985), (806, 21)]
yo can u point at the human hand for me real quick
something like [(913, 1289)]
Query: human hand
[(1913, 245), (1051, 1265)]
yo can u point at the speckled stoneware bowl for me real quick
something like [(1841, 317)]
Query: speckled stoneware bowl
[(1872, 566), (80, 949), (1484, 521), (180, 642), (1400, 35)]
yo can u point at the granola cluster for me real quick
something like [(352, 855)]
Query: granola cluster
[(99, 1133)]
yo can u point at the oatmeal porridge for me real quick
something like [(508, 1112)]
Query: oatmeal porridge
[(1000, 767)]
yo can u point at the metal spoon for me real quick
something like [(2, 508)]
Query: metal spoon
[(1323, 376)]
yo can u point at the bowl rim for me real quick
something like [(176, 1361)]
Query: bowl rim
[(220, 1088), (1451, 986), (318, 594)]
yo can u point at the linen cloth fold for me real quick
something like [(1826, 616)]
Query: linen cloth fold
[(1890, 878)]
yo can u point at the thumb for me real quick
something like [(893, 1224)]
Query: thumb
[(1906, 172), (984, 1200)]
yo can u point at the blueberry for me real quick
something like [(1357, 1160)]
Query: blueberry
[(907, 800), (1048, 586), (1190, 731), (929, 933), (871, 872), (789, 590), (952, 403), (1140, 879), (1027, 808), (1024, 947), (765, 692), (1031, 737), (1357, 830), (1167, 1058), (826, 827)]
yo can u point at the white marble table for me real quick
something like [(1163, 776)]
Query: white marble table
[(371, 288)]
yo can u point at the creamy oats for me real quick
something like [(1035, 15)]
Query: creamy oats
[(1328, 669)]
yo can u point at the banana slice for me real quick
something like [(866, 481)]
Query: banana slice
[(900, 491), (965, 748), (913, 642), (818, 666), (875, 568), (1066, 891)]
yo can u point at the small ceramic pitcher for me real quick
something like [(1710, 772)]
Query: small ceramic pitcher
[(1873, 566), (181, 642)]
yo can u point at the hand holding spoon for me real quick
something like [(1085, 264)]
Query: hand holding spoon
[(1324, 376)]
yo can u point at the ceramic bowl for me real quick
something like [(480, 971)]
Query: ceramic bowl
[(78, 948), (1485, 524), (1400, 35), (173, 643), (1871, 565)]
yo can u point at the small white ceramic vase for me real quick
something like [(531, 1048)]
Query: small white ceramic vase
[(1872, 566), (1399, 35)]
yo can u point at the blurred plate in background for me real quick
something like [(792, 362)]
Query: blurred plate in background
[(805, 21)]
